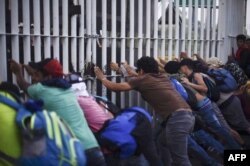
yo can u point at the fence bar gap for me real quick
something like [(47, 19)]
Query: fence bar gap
[(177, 29), (155, 28), (113, 47), (56, 45), (46, 22), (163, 28), (3, 62), (148, 27), (190, 19), (183, 26), (37, 29), (104, 40), (170, 30), (196, 27)]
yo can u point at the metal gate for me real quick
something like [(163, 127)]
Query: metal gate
[(100, 31)]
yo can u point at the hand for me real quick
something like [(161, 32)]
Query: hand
[(15, 67), (114, 66), (99, 74), (131, 72), (183, 55), (185, 80), (29, 69)]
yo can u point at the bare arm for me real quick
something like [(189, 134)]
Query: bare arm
[(111, 85), (200, 86), (17, 70)]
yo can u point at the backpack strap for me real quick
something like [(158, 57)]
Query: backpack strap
[(8, 158), (140, 110), (9, 102)]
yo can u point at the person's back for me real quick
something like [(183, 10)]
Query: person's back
[(10, 142), (157, 89), (64, 103)]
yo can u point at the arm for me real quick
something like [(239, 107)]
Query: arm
[(17, 70), (111, 85), (200, 86)]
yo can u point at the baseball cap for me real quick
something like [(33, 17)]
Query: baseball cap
[(49, 66)]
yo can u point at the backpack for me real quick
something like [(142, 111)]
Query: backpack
[(223, 79), (191, 100), (238, 74), (117, 136), (213, 92), (177, 85), (111, 107), (46, 139)]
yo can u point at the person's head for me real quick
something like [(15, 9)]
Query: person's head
[(147, 65), (248, 42), (186, 66), (241, 39), (12, 89), (46, 69), (172, 67)]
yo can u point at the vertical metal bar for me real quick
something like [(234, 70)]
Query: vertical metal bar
[(3, 62), (113, 36), (163, 28), (74, 40), (190, 18), (37, 29), (177, 20), (140, 28), (132, 42), (140, 37), (170, 30), (196, 27), (56, 46), (220, 28), (148, 27), (94, 40), (104, 40), (202, 30), (65, 35), (14, 30), (46, 22), (81, 34), (93, 27), (26, 33), (213, 53), (155, 28), (208, 30), (183, 26), (89, 39), (123, 43)]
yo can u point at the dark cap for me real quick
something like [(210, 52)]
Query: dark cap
[(49, 66)]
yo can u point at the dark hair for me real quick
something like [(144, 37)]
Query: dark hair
[(147, 64), (241, 37), (248, 39), (187, 62), (12, 89), (172, 67)]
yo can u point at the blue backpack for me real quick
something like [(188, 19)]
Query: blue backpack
[(46, 139), (182, 91), (117, 136), (223, 79)]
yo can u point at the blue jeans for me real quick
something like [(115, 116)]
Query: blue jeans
[(207, 141), (178, 127), (200, 153), (205, 110)]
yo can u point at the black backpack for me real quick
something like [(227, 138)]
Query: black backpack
[(213, 93)]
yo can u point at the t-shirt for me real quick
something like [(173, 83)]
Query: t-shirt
[(95, 115), (10, 141), (64, 103), (159, 92)]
